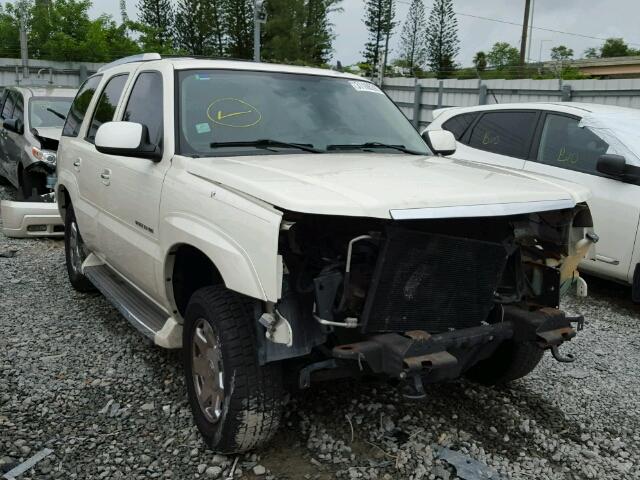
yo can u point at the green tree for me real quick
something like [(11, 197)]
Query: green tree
[(480, 61), (561, 53), (317, 33), (442, 38), (155, 24), (62, 30), (379, 22), (238, 18), (503, 55), (198, 27), (9, 31), (614, 47), (413, 37), (298, 31), (591, 52)]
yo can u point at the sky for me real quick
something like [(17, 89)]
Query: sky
[(592, 18)]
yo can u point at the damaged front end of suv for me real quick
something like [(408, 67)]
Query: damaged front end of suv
[(425, 299)]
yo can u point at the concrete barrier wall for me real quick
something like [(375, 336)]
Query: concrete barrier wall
[(417, 98), (45, 72)]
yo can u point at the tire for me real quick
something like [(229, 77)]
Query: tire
[(509, 362), (246, 412), (75, 253)]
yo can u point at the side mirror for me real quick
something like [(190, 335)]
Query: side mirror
[(613, 165), (127, 139), (441, 142), (14, 125)]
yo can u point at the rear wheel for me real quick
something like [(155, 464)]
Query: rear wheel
[(236, 402), (512, 360), (75, 253)]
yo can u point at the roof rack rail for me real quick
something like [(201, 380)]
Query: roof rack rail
[(142, 57)]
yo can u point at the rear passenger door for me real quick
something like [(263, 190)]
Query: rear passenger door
[(129, 227), (570, 152), (72, 156), (501, 138)]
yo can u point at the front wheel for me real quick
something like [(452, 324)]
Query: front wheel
[(236, 402), (510, 361), (75, 253)]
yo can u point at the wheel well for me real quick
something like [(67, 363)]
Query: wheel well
[(191, 270)]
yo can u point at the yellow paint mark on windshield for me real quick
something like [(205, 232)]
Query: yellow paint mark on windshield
[(222, 116), (233, 112)]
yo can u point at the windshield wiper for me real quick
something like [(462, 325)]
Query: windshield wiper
[(267, 142), (56, 113), (369, 145)]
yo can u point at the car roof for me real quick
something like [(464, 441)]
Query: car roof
[(576, 108), (187, 63), (45, 91)]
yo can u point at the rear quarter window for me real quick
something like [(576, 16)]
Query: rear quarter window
[(459, 124), (504, 133)]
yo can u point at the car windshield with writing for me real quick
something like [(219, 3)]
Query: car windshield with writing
[(48, 111), (236, 112)]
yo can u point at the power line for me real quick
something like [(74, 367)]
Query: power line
[(516, 24)]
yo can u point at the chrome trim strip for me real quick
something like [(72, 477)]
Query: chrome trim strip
[(489, 210)]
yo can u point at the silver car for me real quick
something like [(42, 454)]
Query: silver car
[(32, 119)]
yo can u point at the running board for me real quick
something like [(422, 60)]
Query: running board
[(142, 313)]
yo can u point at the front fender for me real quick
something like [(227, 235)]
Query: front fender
[(232, 261)]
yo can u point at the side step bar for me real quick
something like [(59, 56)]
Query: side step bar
[(142, 313)]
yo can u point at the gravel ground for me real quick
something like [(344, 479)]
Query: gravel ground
[(76, 378)]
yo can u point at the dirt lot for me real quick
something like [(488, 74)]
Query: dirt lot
[(76, 378)]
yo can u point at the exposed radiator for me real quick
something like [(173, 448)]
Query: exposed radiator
[(431, 282)]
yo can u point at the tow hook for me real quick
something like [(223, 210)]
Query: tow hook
[(568, 358), (578, 320), (414, 388)]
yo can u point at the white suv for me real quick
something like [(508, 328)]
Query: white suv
[(284, 225)]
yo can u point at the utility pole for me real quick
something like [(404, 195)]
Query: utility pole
[(525, 29), (533, 9), (259, 17), (24, 52)]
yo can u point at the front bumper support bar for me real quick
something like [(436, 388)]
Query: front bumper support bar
[(417, 352)]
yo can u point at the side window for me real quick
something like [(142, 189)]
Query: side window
[(564, 144), (107, 104), (145, 105), (18, 111), (79, 107), (459, 124), (7, 110), (504, 133)]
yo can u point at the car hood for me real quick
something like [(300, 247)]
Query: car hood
[(52, 133), (385, 185)]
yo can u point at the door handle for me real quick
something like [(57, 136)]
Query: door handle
[(106, 176), (610, 261), (77, 163)]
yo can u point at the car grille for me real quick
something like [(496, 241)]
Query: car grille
[(432, 282)]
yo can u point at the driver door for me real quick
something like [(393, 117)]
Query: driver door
[(569, 152)]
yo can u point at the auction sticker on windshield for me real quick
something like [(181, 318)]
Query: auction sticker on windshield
[(365, 87)]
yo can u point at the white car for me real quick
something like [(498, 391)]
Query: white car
[(597, 146), (285, 225)]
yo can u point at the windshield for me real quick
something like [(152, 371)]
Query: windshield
[(619, 130), (226, 112), (48, 111)]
